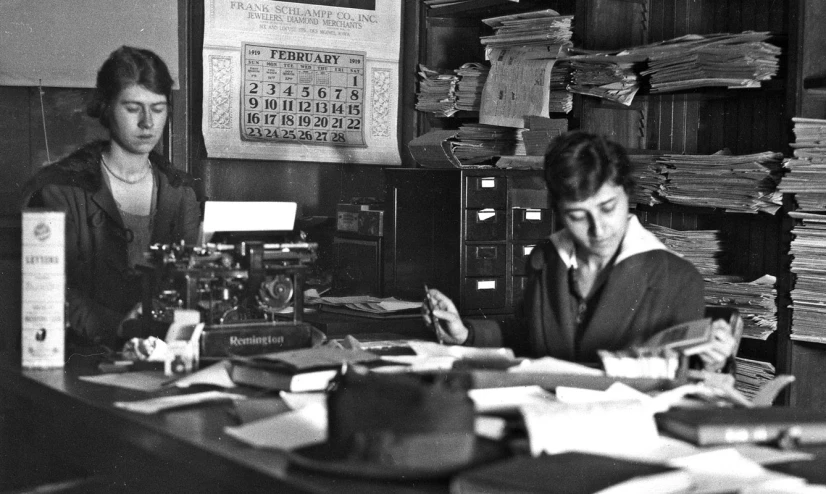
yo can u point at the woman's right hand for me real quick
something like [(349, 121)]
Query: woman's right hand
[(448, 325)]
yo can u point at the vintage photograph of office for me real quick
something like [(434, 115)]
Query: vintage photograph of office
[(414, 246)]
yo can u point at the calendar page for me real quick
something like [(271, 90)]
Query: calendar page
[(296, 94), (302, 80)]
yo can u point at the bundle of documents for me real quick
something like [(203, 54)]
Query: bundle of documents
[(367, 304), (472, 77), (744, 184), (478, 144), (560, 100), (545, 27), (646, 172), (437, 92), (752, 375), (807, 169), (704, 248), (808, 250), (756, 301), (522, 54), (604, 76), (729, 60)]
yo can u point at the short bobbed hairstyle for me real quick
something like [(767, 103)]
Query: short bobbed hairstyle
[(578, 164), (125, 67)]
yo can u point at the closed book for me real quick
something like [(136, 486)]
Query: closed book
[(267, 378), (714, 426), (572, 473), (255, 338)]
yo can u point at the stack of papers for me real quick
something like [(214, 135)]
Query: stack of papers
[(545, 27), (478, 144), (437, 92), (472, 77), (756, 301), (369, 305), (739, 184), (704, 248), (650, 182), (608, 77), (807, 176), (729, 60), (752, 375), (808, 250)]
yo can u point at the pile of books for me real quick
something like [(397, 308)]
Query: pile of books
[(740, 60), (437, 92), (738, 184)]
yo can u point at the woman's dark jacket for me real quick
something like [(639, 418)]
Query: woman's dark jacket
[(101, 286)]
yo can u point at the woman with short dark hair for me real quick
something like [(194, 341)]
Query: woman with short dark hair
[(119, 195), (602, 282)]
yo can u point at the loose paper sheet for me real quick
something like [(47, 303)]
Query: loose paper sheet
[(302, 80)]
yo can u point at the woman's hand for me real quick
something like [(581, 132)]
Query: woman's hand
[(448, 324), (722, 346)]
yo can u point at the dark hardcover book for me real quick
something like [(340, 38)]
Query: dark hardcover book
[(707, 427), (572, 473), (255, 338), (266, 378)]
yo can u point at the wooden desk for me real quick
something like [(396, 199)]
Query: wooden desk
[(68, 420), (72, 421)]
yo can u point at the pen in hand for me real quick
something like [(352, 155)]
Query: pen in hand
[(434, 323)]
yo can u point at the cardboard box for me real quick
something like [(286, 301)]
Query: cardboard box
[(43, 272)]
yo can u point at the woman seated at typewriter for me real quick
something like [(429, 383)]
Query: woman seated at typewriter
[(602, 281), (119, 197)]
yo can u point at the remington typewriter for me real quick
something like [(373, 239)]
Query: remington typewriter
[(241, 282)]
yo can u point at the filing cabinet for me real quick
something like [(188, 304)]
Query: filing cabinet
[(467, 232)]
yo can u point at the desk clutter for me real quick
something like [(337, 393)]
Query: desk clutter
[(483, 420)]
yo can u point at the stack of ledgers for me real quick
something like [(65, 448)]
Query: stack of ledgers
[(807, 181), (741, 184), (437, 92), (739, 60)]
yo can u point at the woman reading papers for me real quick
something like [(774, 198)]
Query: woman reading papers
[(603, 282)]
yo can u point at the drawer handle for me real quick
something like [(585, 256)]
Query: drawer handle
[(485, 215), (486, 252), (533, 215), (486, 285)]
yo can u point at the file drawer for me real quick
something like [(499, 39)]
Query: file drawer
[(485, 259), (485, 224), (531, 224), (486, 191), (521, 253), (484, 293)]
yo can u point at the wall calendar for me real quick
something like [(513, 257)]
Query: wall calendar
[(303, 95)]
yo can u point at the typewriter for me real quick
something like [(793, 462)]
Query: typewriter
[(241, 282)]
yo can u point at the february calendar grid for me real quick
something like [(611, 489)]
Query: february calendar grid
[(302, 95)]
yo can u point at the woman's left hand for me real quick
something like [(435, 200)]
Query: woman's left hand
[(721, 348)]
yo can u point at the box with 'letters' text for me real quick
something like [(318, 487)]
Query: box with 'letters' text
[(44, 285)]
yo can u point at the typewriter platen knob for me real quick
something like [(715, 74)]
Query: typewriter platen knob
[(276, 292)]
